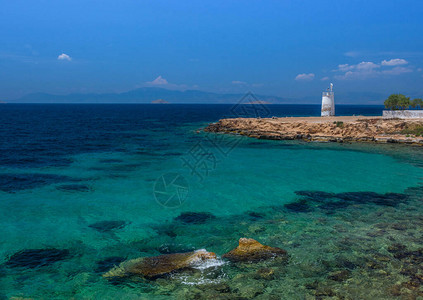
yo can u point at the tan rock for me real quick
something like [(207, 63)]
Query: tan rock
[(249, 250), (339, 129), (152, 267)]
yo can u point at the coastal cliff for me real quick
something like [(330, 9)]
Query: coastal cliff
[(327, 129)]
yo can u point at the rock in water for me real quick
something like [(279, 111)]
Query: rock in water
[(194, 217), (34, 258), (249, 250), (108, 263), (153, 267), (107, 226)]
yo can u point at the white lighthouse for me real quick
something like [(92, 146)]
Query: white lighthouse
[(328, 102)]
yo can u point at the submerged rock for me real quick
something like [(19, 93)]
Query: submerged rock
[(388, 199), (195, 217), (153, 267), (255, 215), (300, 206), (265, 273), (106, 226), (110, 161), (74, 188), (249, 250), (108, 263), (330, 202), (317, 196), (34, 258), (340, 275), (12, 183), (172, 248)]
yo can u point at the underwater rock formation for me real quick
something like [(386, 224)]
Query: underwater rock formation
[(74, 188), (153, 267), (194, 217), (330, 202), (108, 263), (34, 258), (12, 183), (249, 250), (106, 226)]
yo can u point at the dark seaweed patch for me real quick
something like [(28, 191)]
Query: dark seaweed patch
[(34, 258), (165, 230), (388, 199), (300, 206), (74, 188), (108, 263), (331, 201), (107, 226), (173, 154), (120, 167), (332, 205), (194, 217), (110, 161), (316, 196), (15, 182), (255, 215)]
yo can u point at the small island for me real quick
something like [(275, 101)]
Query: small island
[(159, 101), (377, 129)]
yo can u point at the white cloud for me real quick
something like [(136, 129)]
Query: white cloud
[(366, 66), (397, 71), (64, 56), (237, 82), (394, 62), (344, 67), (305, 77), (368, 69), (325, 78), (158, 81)]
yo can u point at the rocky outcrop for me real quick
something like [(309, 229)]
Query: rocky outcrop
[(249, 250), (153, 267), (330, 129)]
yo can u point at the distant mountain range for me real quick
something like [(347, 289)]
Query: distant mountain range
[(160, 95), (146, 95)]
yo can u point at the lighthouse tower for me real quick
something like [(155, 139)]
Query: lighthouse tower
[(328, 102)]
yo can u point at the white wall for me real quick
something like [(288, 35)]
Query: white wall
[(403, 114)]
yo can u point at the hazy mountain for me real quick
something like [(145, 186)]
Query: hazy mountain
[(152, 95), (147, 95)]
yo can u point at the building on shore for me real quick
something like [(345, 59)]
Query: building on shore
[(328, 102)]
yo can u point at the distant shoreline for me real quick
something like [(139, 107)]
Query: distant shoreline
[(155, 104), (324, 129)]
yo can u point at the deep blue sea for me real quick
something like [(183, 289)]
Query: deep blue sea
[(85, 187)]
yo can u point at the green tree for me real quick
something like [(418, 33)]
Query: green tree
[(417, 103), (397, 101)]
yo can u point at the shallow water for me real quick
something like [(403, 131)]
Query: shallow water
[(81, 191)]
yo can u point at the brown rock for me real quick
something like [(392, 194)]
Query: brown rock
[(249, 250), (359, 129), (341, 275), (395, 290), (265, 273), (152, 267)]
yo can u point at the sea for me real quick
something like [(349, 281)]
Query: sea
[(84, 187)]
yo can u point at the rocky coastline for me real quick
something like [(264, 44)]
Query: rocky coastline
[(325, 129)]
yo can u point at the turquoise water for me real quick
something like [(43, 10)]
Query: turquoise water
[(248, 190)]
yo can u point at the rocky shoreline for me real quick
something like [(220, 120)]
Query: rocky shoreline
[(325, 129)]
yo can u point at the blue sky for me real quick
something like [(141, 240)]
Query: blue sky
[(284, 48)]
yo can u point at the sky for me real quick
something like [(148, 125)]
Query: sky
[(290, 49)]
